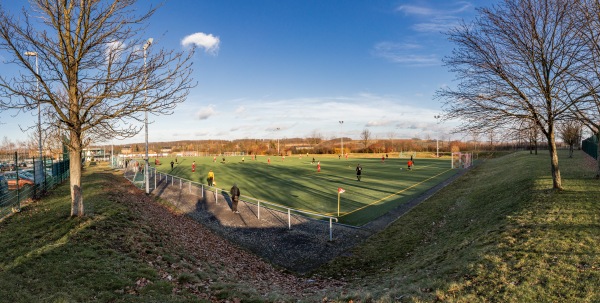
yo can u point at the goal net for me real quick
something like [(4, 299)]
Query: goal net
[(461, 160)]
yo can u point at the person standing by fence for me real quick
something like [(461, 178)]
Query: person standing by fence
[(235, 198), (210, 178)]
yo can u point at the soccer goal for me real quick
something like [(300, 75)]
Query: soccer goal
[(462, 160)]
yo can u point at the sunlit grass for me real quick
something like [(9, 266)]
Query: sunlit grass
[(498, 234), (45, 256), (294, 181)]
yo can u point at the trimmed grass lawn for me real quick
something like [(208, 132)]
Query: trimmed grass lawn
[(497, 234), (294, 181)]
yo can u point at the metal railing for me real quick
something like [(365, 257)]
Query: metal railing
[(135, 175)]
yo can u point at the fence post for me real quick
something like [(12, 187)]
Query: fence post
[(216, 196), (289, 219), (330, 229), (258, 209), (180, 183), (202, 190), (18, 190), (154, 179)]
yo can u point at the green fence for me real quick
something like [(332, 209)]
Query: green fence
[(590, 146), (23, 177)]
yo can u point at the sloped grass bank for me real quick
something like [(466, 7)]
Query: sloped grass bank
[(498, 234), (129, 248), (45, 256)]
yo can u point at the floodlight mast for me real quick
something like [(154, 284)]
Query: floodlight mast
[(437, 145), (146, 164), (277, 129), (37, 93)]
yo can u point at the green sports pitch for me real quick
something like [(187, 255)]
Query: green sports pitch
[(295, 182)]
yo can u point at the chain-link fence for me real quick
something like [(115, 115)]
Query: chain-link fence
[(590, 146), (24, 177)]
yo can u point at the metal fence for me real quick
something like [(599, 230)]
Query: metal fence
[(590, 146), (134, 172), (23, 177)]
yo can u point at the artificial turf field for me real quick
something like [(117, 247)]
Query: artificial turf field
[(295, 182)]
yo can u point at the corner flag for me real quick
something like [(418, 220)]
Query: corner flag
[(340, 190)]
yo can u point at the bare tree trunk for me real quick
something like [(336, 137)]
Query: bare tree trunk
[(556, 180), (75, 176), (571, 150)]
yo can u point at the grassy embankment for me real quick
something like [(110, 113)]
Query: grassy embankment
[(497, 234)]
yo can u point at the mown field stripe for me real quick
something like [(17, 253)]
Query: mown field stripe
[(391, 195)]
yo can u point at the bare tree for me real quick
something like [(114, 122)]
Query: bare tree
[(365, 136), (93, 74), (516, 61), (391, 135), (570, 133), (588, 112), (315, 137), (533, 135)]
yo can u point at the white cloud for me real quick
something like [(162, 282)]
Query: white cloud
[(456, 8), (379, 123), (209, 42), (206, 112), (113, 50), (240, 109), (405, 53), (415, 10)]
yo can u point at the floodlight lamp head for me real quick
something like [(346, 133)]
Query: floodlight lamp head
[(148, 43), (30, 54)]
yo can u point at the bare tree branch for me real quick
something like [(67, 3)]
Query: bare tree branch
[(518, 61), (92, 77)]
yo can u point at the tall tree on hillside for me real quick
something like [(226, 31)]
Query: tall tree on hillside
[(516, 61), (570, 133), (365, 137), (93, 76), (588, 112), (315, 138)]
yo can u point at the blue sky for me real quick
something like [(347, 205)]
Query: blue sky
[(302, 66)]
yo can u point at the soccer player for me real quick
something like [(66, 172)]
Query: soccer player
[(410, 164), (194, 167), (319, 166), (358, 172)]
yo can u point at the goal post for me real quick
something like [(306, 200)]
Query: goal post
[(462, 160)]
